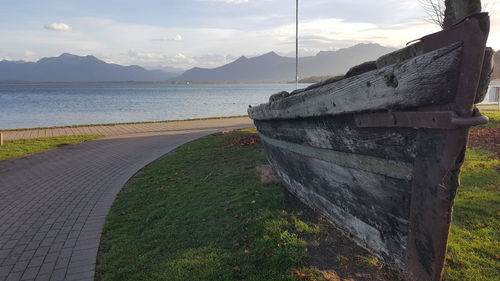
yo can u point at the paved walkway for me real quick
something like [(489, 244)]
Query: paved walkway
[(115, 130), (53, 205)]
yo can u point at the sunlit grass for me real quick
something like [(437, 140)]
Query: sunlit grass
[(494, 116), (202, 214), (18, 148), (474, 245)]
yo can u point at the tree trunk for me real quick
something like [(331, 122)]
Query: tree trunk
[(456, 10)]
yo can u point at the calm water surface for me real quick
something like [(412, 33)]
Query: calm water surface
[(26, 106)]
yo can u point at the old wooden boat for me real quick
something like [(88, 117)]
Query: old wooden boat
[(379, 152)]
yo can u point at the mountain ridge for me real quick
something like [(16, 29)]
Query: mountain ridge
[(271, 67), (73, 68)]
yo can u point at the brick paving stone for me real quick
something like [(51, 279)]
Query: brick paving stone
[(51, 257), (42, 251), (27, 255), (10, 244), (33, 245), (62, 262), (43, 277), (20, 266), (24, 240), (14, 276), (5, 270), (58, 275), (36, 261), (80, 276), (4, 253), (47, 242), (30, 273), (56, 247), (12, 260), (53, 205), (47, 268)]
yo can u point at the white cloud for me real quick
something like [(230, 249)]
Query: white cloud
[(146, 55), (108, 60), (29, 54), (213, 60), (57, 27), (180, 56), (177, 38), (323, 34), (150, 59)]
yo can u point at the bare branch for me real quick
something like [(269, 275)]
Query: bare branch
[(435, 11)]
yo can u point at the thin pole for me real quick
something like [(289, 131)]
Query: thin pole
[(1, 139), (296, 44)]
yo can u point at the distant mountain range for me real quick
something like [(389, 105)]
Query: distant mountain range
[(272, 67), (71, 68), (269, 67)]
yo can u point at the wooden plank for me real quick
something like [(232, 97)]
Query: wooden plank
[(390, 168), (476, 28), (428, 79), (373, 208), (440, 156), (401, 55), (341, 134)]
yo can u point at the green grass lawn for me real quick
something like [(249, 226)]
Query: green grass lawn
[(202, 214), (494, 116), (474, 245), (18, 148)]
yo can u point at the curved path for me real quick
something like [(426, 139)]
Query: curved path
[(53, 204)]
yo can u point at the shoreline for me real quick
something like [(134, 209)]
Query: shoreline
[(145, 82), (117, 124)]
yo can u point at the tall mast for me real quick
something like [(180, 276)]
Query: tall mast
[(296, 44)]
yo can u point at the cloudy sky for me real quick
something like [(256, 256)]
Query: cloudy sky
[(206, 33)]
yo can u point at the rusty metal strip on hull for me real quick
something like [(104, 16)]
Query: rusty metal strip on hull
[(418, 120)]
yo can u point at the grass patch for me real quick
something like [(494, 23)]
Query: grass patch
[(493, 115), (18, 148), (474, 245), (202, 214)]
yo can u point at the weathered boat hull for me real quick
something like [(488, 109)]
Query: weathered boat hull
[(379, 154)]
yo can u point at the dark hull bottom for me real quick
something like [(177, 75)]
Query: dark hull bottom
[(318, 159)]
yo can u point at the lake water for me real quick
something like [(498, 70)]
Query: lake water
[(40, 105)]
